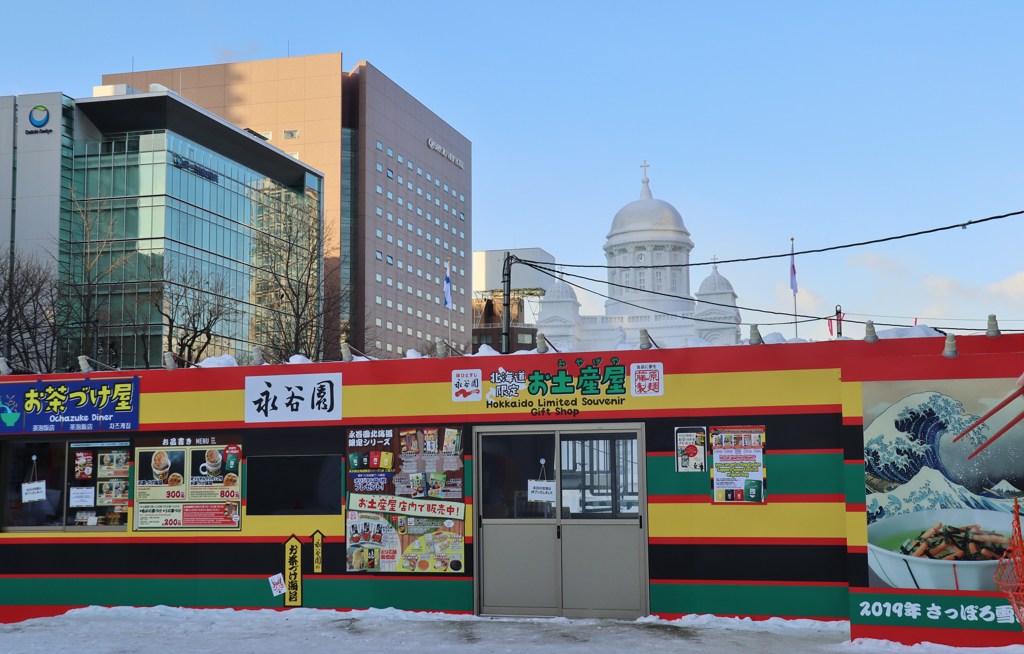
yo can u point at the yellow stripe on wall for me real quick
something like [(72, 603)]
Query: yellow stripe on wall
[(719, 390), (782, 520), (191, 407), (856, 529)]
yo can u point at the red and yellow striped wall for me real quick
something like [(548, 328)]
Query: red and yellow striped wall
[(802, 554)]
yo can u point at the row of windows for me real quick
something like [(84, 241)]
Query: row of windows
[(419, 189), (390, 347), (419, 230), (419, 172), (429, 297), (419, 210)]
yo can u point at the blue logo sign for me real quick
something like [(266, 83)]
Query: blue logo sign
[(39, 116), (70, 406)]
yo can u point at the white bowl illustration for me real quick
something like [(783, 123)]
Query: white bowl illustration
[(904, 571)]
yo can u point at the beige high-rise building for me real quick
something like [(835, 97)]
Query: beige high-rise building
[(397, 189)]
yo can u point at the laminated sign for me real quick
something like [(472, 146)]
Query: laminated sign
[(538, 490)]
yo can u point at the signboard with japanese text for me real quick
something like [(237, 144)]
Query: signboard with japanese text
[(737, 471), (188, 482), (406, 509), (293, 398), (567, 390), (73, 405)]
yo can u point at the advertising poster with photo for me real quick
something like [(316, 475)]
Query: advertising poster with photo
[(691, 444), (737, 470), (939, 500), (406, 510), (188, 482), (98, 486)]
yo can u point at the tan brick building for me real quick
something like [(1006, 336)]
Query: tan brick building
[(397, 188)]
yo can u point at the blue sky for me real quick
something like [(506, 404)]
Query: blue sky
[(829, 122)]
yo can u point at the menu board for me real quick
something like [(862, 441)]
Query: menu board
[(737, 471), (406, 503), (188, 482)]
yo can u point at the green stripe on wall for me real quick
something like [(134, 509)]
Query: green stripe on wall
[(382, 592), (803, 474), (824, 602), (853, 480), (317, 592)]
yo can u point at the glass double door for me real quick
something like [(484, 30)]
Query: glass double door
[(561, 521)]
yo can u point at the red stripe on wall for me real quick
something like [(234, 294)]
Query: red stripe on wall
[(674, 540), (925, 591), (794, 498), (853, 421), (676, 616), (942, 636), (143, 539), (856, 508), (734, 582), (390, 576), (857, 549), (790, 498), (19, 613), (837, 450)]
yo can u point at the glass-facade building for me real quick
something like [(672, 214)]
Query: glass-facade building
[(179, 233)]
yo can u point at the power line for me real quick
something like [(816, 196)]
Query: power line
[(666, 313), (804, 317), (831, 248)]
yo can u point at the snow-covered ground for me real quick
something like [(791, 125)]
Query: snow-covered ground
[(96, 630)]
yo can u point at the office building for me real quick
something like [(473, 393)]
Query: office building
[(397, 189), (163, 227)]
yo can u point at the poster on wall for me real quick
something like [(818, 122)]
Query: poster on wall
[(690, 449), (406, 510), (737, 469), (938, 517), (188, 482)]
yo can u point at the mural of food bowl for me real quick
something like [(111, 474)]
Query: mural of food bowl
[(951, 549)]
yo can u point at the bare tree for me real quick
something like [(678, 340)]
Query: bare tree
[(90, 257), (288, 259), (193, 307), (29, 312)]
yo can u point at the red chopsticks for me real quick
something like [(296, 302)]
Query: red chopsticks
[(1009, 398)]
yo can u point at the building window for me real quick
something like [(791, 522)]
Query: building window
[(390, 152), (380, 146), (401, 159), (380, 167), (291, 133), (391, 175), (380, 255)]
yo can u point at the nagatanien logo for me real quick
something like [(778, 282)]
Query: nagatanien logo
[(39, 115)]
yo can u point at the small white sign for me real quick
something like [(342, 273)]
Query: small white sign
[(33, 491), (82, 496), (538, 490), (467, 385), (293, 398), (647, 379), (277, 584)]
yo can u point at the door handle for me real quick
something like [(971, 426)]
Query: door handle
[(558, 532)]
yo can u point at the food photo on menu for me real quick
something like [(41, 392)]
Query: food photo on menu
[(161, 467)]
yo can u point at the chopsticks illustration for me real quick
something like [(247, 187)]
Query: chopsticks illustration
[(1009, 398)]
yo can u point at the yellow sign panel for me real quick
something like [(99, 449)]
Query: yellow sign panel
[(293, 572), (318, 552)]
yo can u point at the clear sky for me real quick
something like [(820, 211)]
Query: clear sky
[(829, 122)]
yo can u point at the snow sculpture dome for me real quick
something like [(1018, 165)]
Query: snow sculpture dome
[(647, 214), (715, 283), (560, 290)]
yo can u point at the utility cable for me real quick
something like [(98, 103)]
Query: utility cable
[(831, 248)]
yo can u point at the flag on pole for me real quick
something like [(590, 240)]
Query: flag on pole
[(447, 285), (792, 268)]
